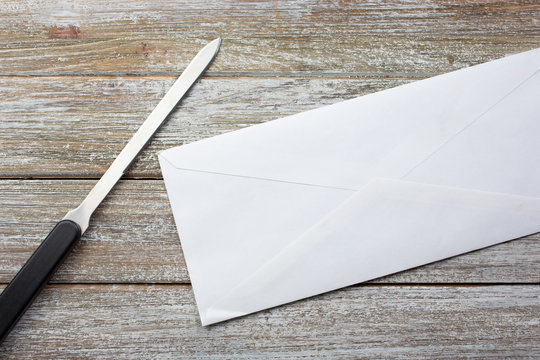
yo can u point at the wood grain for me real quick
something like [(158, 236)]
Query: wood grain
[(132, 239), (358, 322), (313, 36), (75, 126)]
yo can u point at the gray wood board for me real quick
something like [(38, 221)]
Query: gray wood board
[(313, 36), (145, 321), (75, 126), (132, 238)]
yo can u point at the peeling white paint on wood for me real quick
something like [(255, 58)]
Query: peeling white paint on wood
[(75, 126), (309, 36)]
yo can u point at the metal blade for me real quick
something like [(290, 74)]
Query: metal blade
[(81, 215)]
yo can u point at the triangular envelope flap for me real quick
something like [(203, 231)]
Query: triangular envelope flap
[(230, 226), (383, 134), (386, 227)]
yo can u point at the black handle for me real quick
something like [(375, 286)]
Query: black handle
[(29, 281)]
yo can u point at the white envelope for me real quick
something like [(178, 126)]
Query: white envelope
[(360, 189)]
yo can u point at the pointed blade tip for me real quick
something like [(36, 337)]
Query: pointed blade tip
[(216, 43), (210, 50)]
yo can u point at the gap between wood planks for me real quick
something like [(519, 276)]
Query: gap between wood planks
[(224, 74), (33, 178), (360, 285)]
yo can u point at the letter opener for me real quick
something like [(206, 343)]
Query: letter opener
[(31, 278)]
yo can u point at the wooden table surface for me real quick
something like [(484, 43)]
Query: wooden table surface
[(77, 79)]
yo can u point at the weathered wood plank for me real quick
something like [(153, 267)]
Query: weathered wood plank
[(269, 36), (116, 322), (132, 239), (76, 126)]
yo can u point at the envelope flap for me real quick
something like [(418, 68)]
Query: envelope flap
[(385, 227), (346, 144)]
